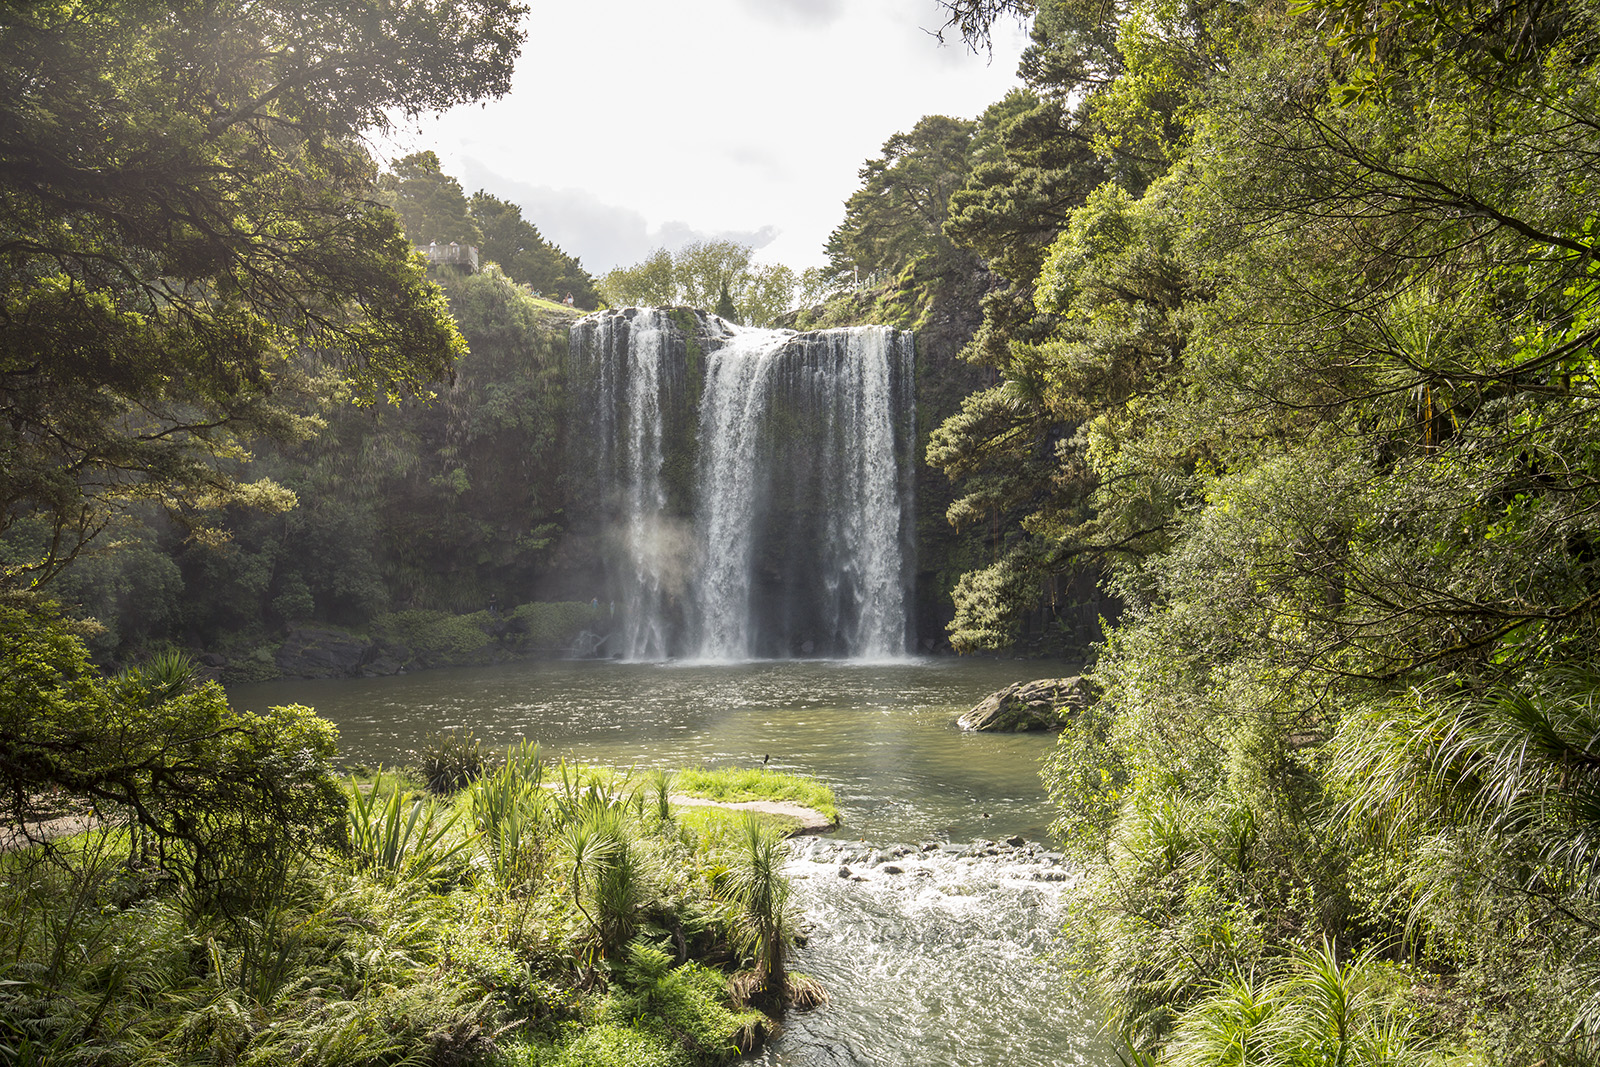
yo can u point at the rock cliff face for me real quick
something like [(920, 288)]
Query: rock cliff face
[(1045, 704)]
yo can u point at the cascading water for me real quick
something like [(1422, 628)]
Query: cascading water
[(934, 953), (760, 480)]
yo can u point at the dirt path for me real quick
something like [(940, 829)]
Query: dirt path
[(44, 830)]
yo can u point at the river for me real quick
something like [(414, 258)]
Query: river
[(936, 958)]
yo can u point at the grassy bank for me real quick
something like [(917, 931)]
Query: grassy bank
[(542, 915), (737, 784)]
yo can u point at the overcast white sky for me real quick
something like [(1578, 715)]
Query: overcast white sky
[(637, 124)]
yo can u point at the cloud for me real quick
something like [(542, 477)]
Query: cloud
[(598, 234), (812, 13)]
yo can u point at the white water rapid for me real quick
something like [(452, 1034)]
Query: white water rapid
[(760, 483)]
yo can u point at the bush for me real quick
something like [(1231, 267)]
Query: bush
[(554, 625), (451, 762), (223, 800), (433, 637)]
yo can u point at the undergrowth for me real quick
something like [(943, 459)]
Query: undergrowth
[(545, 915)]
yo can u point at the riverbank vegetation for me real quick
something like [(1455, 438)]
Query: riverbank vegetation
[(1293, 330), (539, 915), (737, 784), (206, 299)]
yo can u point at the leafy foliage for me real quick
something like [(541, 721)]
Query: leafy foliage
[(698, 274), (452, 761), (400, 841), (188, 219), (898, 214), (1309, 378), (220, 799)]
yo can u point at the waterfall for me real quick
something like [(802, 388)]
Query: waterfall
[(760, 483)]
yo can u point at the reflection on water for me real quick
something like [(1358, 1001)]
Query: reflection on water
[(937, 964), (881, 735)]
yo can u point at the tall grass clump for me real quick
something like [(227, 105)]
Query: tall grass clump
[(1318, 1011), (452, 761), (510, 812), (401, 840)]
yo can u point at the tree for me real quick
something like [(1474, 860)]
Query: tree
[(898, 214), (525, 256), (189, 232), (430, 203), (220, 798), (1336, 364), (725, 308), (697, 275), (652, 282)]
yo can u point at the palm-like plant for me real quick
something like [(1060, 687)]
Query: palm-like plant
[(1319, 1012), (765, 922), (1518, 763), (612, 876)]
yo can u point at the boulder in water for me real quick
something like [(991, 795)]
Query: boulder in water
[(1044, 704)]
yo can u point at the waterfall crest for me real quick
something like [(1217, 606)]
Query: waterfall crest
[(759, 482)]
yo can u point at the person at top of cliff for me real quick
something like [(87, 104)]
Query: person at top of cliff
[(569, 300)]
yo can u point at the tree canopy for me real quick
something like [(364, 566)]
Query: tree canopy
[(696, 276), (434, 209), (189, 229), (1297, 348)]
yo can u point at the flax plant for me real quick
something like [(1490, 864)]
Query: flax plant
[(400, 842), (510, 810)]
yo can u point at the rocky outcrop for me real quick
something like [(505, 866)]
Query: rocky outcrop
[(1045, 704), (322, 652)]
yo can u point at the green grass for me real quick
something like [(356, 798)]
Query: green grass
[(735, 784), (718, 828)]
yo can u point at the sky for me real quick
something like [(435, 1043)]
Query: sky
[(633, 125)]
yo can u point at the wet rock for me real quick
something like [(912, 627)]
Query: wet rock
[(381, 666), (891, 868), (844, 872), (1016, 841), (322, 652), (1044, 704)]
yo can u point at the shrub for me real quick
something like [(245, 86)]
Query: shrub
[(433, 637), (400, 841), (451, 762), (554, 625)]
